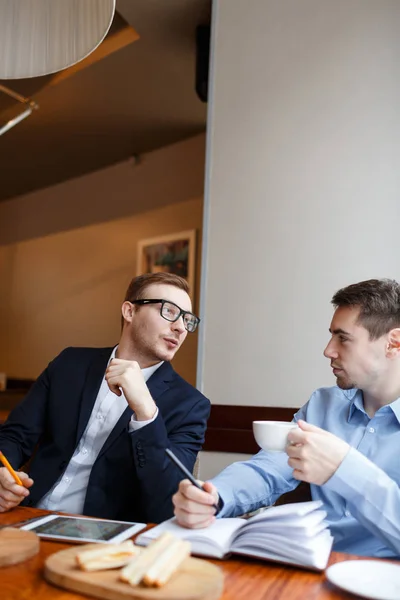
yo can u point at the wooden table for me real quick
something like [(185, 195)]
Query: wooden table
[(244, 579)]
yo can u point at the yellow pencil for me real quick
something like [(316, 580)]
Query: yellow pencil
[(10, 469)]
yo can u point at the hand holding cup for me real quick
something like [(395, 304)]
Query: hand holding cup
[(272, 436)]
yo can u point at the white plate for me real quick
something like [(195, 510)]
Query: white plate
[(373, 579)]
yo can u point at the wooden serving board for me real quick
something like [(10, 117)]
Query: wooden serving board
[(195, 580), (17, 545)]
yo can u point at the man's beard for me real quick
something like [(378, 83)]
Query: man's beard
[(344, 383)]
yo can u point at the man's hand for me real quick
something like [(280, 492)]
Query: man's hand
[(12, 494), (126, 374), (194, 507), (314, 453)]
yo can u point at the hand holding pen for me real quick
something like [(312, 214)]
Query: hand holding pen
[(10, 469), (205, 511), (11, 494)]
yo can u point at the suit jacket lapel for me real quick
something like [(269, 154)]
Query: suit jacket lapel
[(159, 381), (91, 389), (157, 384)]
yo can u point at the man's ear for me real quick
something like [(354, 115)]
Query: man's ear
[(393, 345), (127, 311)]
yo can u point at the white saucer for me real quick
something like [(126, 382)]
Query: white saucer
[(373, 579)]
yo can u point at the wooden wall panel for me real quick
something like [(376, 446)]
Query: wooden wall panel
[(230, 427)]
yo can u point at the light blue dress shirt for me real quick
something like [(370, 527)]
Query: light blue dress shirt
[(362, 498)]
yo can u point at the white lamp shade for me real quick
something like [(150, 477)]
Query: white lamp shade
[(39, 37)]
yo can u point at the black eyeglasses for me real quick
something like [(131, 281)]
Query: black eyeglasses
[(171, 312)]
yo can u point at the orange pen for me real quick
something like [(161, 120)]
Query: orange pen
[(10, 469)]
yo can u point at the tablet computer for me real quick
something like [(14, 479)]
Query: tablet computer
[(65, 528)]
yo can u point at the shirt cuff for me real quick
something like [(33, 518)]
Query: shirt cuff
[(135, 425)]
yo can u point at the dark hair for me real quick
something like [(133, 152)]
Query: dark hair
[(379, 303), (138, 286)]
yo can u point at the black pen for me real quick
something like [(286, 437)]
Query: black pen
[(187, 473)]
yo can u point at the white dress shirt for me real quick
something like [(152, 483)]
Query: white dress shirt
[(69, 491)]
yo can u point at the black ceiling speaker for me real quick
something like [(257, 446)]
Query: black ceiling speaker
[(202, 60)]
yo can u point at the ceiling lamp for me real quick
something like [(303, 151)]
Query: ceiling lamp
[(39, 37)]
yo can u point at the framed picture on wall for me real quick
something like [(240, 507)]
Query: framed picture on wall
[(173, 253)]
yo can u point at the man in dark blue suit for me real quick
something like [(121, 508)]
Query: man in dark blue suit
[(97, 421)]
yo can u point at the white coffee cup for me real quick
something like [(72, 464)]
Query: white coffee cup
[(272, 435)]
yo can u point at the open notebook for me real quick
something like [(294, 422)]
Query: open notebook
[(292, 533)]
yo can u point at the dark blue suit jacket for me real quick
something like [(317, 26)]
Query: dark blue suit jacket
[(132, 478)]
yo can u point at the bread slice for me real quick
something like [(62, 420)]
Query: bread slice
[(166, 563), (134, 572), (107, 556)]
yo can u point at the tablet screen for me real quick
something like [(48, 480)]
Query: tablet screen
[(84, 529)]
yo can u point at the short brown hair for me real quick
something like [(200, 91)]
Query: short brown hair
[(138, 286), (379, 303)]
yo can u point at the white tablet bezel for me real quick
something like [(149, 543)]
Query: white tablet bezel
[(120, 537)]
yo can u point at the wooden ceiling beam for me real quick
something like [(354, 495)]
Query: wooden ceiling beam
[(112, 43)]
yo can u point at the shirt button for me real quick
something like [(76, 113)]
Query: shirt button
[(66, 479), (100, 417), (84, 451), (347, 513), (371, 430)]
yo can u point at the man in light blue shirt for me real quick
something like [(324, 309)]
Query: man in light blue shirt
[(347, 445)]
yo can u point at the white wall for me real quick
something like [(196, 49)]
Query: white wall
[(212, 463), (302, 186)]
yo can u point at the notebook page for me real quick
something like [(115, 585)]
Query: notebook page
[(265, 539), (318, 559), (287, 511), (276, 543), (294, 526), (212, 541)]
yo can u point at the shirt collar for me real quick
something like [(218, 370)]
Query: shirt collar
[(147, 372), (356, 402), (395, 406)]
